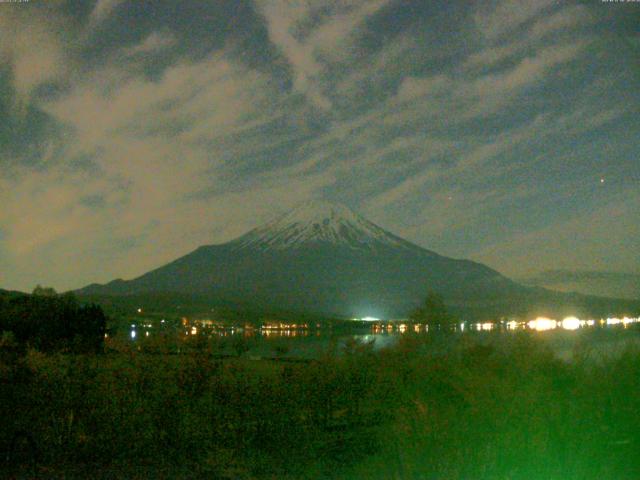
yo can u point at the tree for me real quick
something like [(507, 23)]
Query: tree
[(44, 291), (433, 312), (53, 322)]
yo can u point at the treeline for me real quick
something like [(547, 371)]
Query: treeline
[(49, 322)]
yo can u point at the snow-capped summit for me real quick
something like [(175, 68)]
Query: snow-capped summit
[(319, 222)]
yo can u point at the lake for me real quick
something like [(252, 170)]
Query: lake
[(597, 338)]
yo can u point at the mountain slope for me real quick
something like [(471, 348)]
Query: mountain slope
[(324, 258), (605, 284)]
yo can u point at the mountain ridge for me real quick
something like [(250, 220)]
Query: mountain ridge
[(588, 282), (324, 258)]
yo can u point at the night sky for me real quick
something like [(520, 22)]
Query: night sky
[(131, 132)]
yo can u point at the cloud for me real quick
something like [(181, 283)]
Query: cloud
[(507, 15), (33, 47), (567, 19), (584, 241), (467, 161), (494, 55), (481, 95), (154, 42), (493, 91), (41, 207), (191, 102), (416, 87), (147, 148), (102, 10), (308, 46)]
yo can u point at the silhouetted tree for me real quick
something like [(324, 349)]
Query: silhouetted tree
[(44, 291), (49, 321), (433, 312)]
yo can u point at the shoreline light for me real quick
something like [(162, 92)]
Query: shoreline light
[(571, 323), (542, 324)]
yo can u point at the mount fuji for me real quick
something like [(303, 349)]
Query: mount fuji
[(323, 258)]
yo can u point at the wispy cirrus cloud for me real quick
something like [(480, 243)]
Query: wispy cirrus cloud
[(311, 34), (568, 244), (154, 42), (496, 19), (102, 10)]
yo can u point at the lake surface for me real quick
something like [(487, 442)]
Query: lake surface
[(598, 340)]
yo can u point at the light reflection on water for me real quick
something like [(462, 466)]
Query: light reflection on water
[(540, 324), (304, 342)]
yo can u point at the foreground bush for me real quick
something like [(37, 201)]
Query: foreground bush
[(432, 408)]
